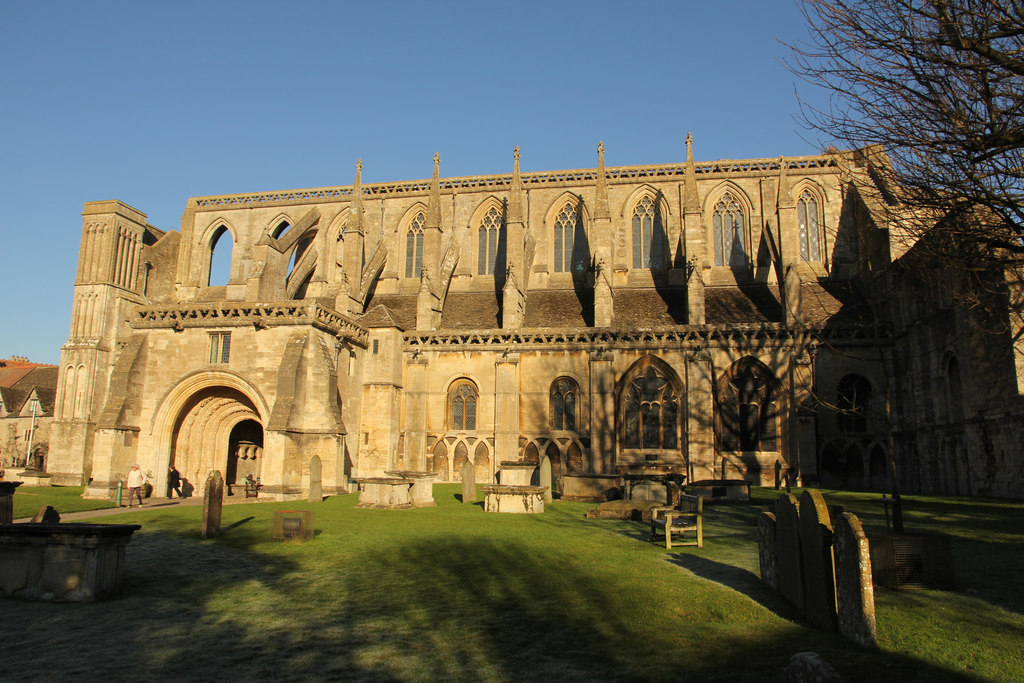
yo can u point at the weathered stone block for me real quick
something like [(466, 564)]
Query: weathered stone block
[(855, 592), (766, 549), (213, 499), (816, 554)]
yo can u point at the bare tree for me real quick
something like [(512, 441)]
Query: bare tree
[(940, 85)]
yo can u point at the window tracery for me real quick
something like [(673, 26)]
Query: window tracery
[(462, 402), (648, 235), (651, 409), (854, 395), (748, 413), (810, 233), (414, 247), (564, 398), (728, 225), (490, 233), (570, 241)]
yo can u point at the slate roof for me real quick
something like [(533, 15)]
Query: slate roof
[(559, 308), (471, 311), (41, 378), (399, 309)]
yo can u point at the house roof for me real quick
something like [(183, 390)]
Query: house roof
[(42, 379)]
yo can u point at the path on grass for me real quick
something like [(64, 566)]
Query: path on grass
[(150, 504)]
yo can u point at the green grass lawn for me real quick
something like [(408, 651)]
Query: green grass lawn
[(453, 593), (64, 499)]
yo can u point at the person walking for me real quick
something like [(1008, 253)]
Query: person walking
[(135, 481), (173, 482)]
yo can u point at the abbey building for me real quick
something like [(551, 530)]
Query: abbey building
[(710, 320)]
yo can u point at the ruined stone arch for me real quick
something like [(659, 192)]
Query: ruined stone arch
[(212, 237), (723, 205), (650, 406), (280, 225)]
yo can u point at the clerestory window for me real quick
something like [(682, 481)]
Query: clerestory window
[(648, 235), (414, 247), (728, 225), (810, 234), (491, 231), (570, 247)]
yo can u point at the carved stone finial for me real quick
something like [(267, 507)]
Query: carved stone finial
[(689, 146), (437, 159), (600, 148), (515, 152), (359, 164)]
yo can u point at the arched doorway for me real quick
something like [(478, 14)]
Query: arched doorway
[(245, 454), (212, 426)]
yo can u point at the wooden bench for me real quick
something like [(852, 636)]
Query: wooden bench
[(687, 515)]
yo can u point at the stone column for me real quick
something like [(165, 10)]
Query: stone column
[(506, 409), (602, 414)]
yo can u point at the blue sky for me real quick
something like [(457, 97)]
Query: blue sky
[(155, 102)]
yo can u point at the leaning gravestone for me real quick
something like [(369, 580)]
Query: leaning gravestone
[(213, 499), (46, 515), (316, 490), (789, 568), (545, 478), (816, 552), (766, 549), (468, 476), (855, 593)]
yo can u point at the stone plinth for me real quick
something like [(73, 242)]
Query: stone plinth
[(516, 473), (7, 501), (34, 478), (514, 499), (736, 490), (62, 562), (422, 492), (594, 488), (386, 493)]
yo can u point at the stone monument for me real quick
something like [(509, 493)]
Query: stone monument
[(468, 475), (213, 499), (316, 491)]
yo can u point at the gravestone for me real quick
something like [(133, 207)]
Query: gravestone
[(855, 592), (46, 515), (816, 553), (213, 499), (316, 491), (766, 549), (468, 476), (788, 564), (545, 478)]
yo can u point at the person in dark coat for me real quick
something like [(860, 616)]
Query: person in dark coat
[(173, 482)]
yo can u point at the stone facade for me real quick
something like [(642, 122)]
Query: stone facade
[(26, 412), (693, 318)]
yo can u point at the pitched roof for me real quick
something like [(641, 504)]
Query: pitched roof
[(398, 310), (559, 308), (42, 379)]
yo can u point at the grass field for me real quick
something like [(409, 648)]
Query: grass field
[(452, 593)]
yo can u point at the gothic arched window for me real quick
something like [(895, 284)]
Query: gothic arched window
[(462, 402), (748, 414), (807, 219), (414, 247), (221, 246), (730, 242), (570, 252), (564, 399), (854, 394), (650, 411), (648, 235), (490, 234)]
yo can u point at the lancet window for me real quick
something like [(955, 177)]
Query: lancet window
[(810, 234), (462, 401), (648, 235), (221, 246), (490, 234), (728, 225), (570, 252), (414, 247), (564, 398), (650, 415), (748, 413)]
